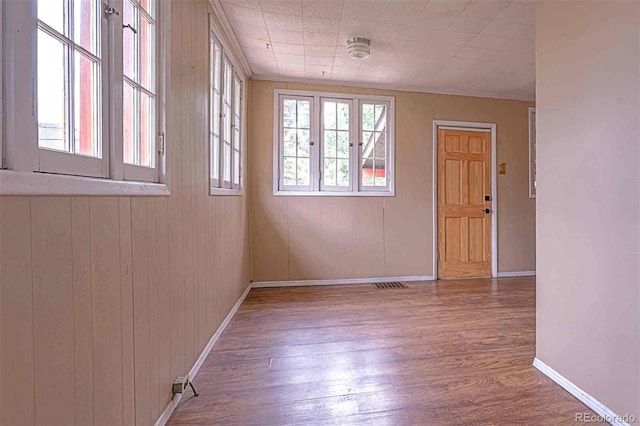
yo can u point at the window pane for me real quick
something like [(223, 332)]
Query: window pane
[(343, 145), (52, 94), (289, 172), (304, 117), (289, 148), (86, 136), (147, 54), (289, 113), (343, 116), (367, 172), (147, 131), (304, 149), (380, 145), (236, 167), (51, 12), (130, 123), (218, 63), (329, 115), (85, 17), (343, 173), (215, 156), (226, 173), (367, 117), (329, 174), (329, 143), (129, 41), (303, 171)]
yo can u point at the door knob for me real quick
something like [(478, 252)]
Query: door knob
[(487, 211)]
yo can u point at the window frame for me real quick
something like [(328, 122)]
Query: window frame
[(220, 186), (317, 188), (22, 174), (353, 137)]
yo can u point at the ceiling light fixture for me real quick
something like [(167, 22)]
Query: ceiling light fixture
[(359, 47)]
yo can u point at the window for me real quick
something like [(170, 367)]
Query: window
[(532, 152), (69, 71), (81, 87), (225, 139), (333, 144), (139, 88)]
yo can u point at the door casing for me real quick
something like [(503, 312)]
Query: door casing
[(469, 126)]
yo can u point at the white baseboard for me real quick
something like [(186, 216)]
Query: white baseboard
[(516, 274), (262, 284), (164, 417), (599, 408)]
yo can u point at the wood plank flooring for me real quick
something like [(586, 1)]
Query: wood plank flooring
[(454, 352)]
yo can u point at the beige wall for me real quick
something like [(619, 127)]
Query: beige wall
[(106, 300), (298, 238), (588, 205)]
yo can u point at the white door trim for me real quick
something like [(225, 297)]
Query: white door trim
[(473, 126)]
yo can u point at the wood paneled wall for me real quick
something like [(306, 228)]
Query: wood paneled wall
[(307, 238), (105, 300)]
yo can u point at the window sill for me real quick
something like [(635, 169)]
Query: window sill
[(333, 194), (226, 191), (27, 183)]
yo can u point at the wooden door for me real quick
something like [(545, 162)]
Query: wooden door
[(464, 203)]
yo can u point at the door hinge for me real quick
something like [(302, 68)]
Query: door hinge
[(161, 143)]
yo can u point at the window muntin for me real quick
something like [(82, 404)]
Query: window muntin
[(139, 92), (237, 103), (225, 110), (226, 124), (355, 149), (296, 142), (215, 62), (373, 145), (69, 70), (336, 144)]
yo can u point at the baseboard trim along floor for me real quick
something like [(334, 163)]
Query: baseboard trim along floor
[(582, 396), (166, 414), (264, 284)]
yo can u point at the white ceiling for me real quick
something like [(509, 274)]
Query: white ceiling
[(474, 47)]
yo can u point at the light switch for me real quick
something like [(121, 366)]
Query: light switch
[(502, 168)]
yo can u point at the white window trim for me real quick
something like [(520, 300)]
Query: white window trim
[(218, 187), (355, 187), (20, 134)]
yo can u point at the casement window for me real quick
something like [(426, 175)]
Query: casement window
[(333, 144), (225, 109), (96, 76)]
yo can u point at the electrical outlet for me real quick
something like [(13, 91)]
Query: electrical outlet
[(180, 384)]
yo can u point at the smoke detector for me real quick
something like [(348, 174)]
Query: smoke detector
[(359, 47)]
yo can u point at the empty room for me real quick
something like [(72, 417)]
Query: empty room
[(319, 212)]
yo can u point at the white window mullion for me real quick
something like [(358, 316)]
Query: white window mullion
[(21, 122), (114, 79), (315, 169)]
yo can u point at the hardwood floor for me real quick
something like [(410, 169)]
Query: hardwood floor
[(454, 352)]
